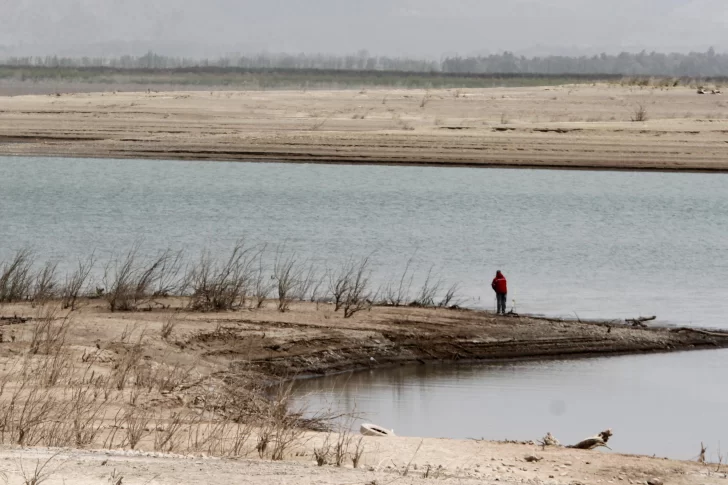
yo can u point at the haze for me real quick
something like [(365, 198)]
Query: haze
[(426, 28)]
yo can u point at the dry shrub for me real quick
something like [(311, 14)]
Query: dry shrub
[(358, 452), (218, 286), (451, 299), (338, 283), (32, 415), (287, 273), (358, 295), (341, 448), (262, 283), (40, 473), (397, 293), (219, 438), (76, 282), (49, 332), (322, 454), (640, 113), (167, 434), (45, 286), (279, 429), (136, 421), (168, 327), (163, 377), (16, 278), (337, 452), (87, 415), (132, 281), (428, 292), (350, 287), (129, 362), (310, 285), (116, 478), (239, 439)]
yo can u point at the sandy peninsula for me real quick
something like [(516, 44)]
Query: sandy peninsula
[(179, 387), (599, 126)]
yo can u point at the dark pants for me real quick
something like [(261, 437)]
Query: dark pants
[(501, 297)]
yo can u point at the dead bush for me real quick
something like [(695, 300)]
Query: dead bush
[(310, 285), (279, 429), (451, 299), (163, 377), (116, 478), (358, 295), (40, 473), (128, 365), (16, 278), (262, 283), (167, 434), (131, 281), (338, 284), (136, 422), (218, 286), (45, 286), (287, 274), (428, 292), (75, 283), (170, 323), (341, 448), (27, 412), (640, 113), (48, 335), (358, 452), (322, 454), (87, 415), (397, 293)]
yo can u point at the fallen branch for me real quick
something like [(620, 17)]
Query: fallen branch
[(640, 322), (702, 332), (597, 441)]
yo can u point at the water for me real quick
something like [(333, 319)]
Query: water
[(657, 404), (592, 244)]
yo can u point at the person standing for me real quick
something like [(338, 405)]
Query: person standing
[(500, 286)]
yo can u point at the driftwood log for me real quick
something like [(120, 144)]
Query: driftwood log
[(640, 322), (597, 441), (702, 332)]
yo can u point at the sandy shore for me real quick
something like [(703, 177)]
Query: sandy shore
[(312, 339), (580, 126), (432, 461)]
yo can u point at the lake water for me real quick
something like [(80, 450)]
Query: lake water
[(656, 404), (592, 244)]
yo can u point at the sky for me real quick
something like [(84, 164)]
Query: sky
[(418, 28)]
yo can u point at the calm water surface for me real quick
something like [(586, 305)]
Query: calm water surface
[(594, 244), (657, 404)]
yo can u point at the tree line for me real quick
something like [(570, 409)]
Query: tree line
[(693, 64)]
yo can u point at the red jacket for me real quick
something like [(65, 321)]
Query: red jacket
[(500, 285)]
